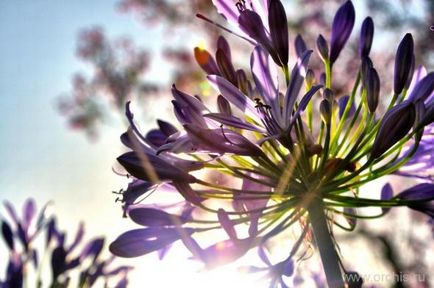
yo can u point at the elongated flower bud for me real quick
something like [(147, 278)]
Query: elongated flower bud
[(366, 36), (403, 62), (372, 89), (223, 105), (394, 126), (323, 48), (225, 66), (300, 45), (343, 24), (224, 45), (326, 111), (243, 83), (278, 30)]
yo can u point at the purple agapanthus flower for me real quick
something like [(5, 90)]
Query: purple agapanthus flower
[(276, 132), (20, 235)]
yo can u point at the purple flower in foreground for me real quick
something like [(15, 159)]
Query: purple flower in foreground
[(294, 161)]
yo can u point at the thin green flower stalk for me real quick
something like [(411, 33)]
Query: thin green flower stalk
[(298, 160)]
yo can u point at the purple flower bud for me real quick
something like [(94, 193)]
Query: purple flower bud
[(153, 217), (403, 62), (423, 197), (133, 163), (8, 235), (225, 66), (325, 110), (393, 127), (167, 128), (343, 23), (156, 137), (366, 36), (423, 88), (139, 242), (323, 49), (223, 45), (300, 45), (386, 194), (372, 89), (278, 30), (223, 105), (243, 83)]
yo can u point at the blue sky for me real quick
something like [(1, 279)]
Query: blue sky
[(40, 156)]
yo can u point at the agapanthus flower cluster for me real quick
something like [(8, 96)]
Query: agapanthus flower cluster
[(295, 152), (27, 261)]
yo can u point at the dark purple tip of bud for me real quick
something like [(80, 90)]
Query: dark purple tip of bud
[(323, 49), (8, 235), (366, 36), (167, 128), (225, 66), (325, 109), (279, 30), (343, 24), (223, 105), (403, 62), (224, 46), (372, 89), (395, 124), (423, 89), (300, 45)]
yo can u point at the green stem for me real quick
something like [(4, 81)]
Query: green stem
[(323, 239)]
